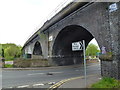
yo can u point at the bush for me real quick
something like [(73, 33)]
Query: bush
[(107, 82), (8, 66), (8, 60)]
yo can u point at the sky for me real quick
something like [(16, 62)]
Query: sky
[(19, 19)]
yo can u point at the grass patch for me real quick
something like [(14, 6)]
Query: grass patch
[(107, 83), (8, 66), (8, 60)]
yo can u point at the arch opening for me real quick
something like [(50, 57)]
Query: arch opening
[(37, 49), (62, 48), (93, 51)]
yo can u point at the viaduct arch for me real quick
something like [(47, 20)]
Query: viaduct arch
[(62, 48), (83, 21), (37, 49)]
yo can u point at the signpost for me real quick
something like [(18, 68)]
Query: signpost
[(77, 46)]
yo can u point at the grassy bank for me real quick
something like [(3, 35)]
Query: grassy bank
[(8, 60), (107, 83), (8, 66)]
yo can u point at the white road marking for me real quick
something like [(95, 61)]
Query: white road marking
[(55, 72), (36, 73), (23, 86), (43, 73), (51, 83), (76, 70), (41, 84)]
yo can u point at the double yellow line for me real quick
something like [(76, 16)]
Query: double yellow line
[(63, 81)]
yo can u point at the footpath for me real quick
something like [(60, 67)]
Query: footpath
[(77, 82), (43, 68)]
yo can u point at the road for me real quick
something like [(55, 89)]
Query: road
[(42, 78)]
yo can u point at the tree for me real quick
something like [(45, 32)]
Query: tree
[(11, 51), (0, 50), (91, 50)]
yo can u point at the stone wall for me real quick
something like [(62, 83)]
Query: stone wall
[(111, 68), (31, 63)]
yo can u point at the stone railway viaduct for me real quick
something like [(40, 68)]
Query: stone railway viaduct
[(75, 22)]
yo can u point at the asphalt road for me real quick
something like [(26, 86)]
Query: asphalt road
[(42, 78)]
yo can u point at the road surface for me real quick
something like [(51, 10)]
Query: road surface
[(42, 78)]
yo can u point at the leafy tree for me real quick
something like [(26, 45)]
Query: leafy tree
[(91, 50), (11, 51), (0, 50)]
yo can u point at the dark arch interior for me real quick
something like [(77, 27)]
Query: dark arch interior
[(37, 49), (62, 48)]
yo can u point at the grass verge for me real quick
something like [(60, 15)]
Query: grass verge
[(8, 60), (107, 82), (8, 66)]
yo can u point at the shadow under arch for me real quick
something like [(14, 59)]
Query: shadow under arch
[(62, 47), (37, 49)]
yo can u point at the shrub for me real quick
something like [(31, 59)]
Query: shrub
[(8, 66)]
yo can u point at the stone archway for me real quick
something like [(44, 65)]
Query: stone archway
[(62, 47)]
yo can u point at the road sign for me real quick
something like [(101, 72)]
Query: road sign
[(77, 46)]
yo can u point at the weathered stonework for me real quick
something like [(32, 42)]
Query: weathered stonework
[(112, 68)]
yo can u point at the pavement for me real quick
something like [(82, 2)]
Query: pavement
[(77, 82), (43, 68)]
